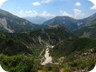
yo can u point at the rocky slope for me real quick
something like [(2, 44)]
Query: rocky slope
[(39, 38), (11, 23), (88, 27), (68, 22)]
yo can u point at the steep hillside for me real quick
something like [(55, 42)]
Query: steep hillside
[(77, 46), (53, 35), (9, 46), (11, 23), (46, 49), (87, 28), (69, 23), (35, 39)]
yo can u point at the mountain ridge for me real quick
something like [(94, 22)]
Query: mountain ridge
[(87, 29), (12, 23)]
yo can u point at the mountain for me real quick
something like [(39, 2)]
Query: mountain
[(88, 27), (68, 22), (28, 51), (81, 27), (89, 20), (50, 47), (37, 19), (36, 38), (11, 23)]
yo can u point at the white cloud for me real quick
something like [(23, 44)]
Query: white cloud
[(46, 14), (2, 2), (29, 13), (34, 13), (36, 4), (94, 6), (78, 13), (78, 4), (46, 1), (64, 13), (41, 2)]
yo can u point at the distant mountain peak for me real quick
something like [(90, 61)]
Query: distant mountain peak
[(68, 22)]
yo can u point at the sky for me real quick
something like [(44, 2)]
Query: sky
[(50, 8)]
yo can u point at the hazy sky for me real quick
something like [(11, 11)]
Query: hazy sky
[(50, 8)]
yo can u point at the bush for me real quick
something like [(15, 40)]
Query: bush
[(18, 63)]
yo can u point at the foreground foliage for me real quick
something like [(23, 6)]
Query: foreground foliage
[(17, 63)]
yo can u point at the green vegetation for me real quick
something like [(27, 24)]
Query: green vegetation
[(21, 52), (27, 63), (80, 45), (18, 63)]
